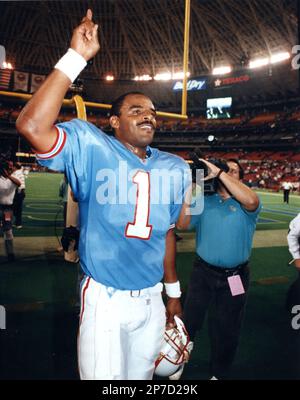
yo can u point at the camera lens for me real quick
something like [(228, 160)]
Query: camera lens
[(198, 164)]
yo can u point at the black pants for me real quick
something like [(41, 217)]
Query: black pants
[(6, 214), (209, 287), (18, 206), (293, 294), (286, 194)]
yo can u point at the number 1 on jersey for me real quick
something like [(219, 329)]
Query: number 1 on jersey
[(140, 228)]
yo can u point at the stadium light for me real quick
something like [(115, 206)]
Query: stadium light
[(275, 58), (259, 62), (280, 57), (143, 78), (179, 75), (165, 76), (109, 78), (7, 65), (222, 70)]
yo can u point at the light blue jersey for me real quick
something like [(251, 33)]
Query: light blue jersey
[(224, 231), (126, 205)]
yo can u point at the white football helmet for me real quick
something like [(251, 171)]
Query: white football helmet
[(175, 351)]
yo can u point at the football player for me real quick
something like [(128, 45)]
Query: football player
[(130, 197)]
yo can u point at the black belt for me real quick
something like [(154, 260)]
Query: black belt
[(6, 206), (221, 269)]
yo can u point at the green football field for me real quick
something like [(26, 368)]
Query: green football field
[(40, 294)]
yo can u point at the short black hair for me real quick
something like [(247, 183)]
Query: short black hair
[(117, 103), (236, 161), (3, 167)]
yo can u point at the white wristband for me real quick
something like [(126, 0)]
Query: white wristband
[(71, 64), (173, 289)]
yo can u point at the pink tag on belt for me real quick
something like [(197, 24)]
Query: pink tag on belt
[(236, 285)]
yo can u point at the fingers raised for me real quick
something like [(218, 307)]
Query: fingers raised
[(89, 14), (87, 27), (85, 37), (95, 29)]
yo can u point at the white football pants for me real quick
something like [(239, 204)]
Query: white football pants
[(120, 332)]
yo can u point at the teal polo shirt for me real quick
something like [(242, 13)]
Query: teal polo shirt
[(224, 231)]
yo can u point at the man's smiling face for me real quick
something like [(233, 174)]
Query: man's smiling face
[(137, 121)]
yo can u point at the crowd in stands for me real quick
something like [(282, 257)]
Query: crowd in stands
[(271, 128), (270, 174), (246, 118)]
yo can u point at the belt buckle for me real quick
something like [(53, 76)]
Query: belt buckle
[(234, 271), (132, 292)]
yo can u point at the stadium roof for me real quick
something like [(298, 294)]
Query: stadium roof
[(146, 36)]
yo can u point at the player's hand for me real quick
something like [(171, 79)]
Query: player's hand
[(173, 308), (85, 37), (297, 264), (213, 170)]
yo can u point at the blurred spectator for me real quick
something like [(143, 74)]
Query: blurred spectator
[(287, 187), (8, 185), (19, 195)]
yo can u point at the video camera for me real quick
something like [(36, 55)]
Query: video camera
[(3, 166), (210, 185)]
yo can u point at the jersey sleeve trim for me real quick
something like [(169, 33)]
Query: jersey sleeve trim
[(57, 147)]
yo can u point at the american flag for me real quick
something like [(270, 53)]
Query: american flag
[(5, 75)]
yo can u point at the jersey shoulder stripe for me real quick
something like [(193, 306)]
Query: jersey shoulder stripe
[(57, 147)]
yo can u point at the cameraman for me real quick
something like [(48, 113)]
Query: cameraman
[(8, 185), (224, 232)]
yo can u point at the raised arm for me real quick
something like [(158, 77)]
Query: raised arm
[(36, 121), (7, 174), (242, 193)]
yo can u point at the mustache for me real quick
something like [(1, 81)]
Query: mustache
[(147, 123)]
